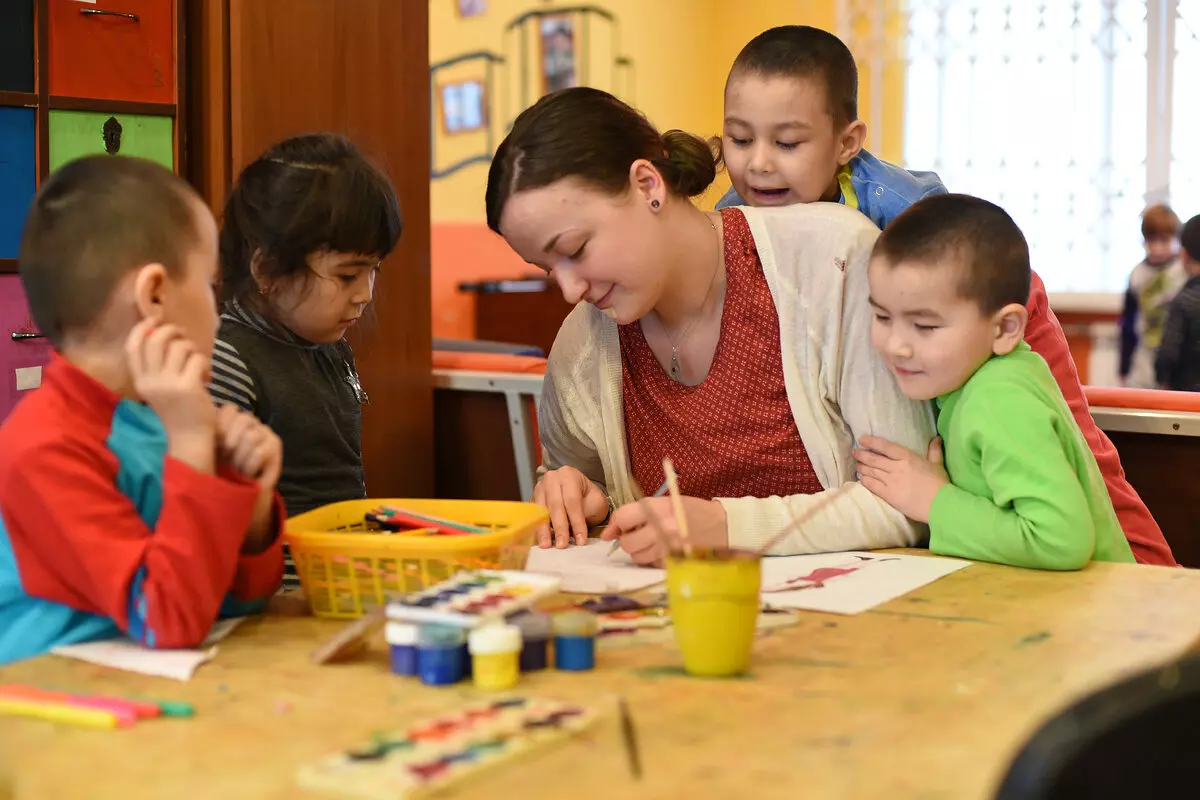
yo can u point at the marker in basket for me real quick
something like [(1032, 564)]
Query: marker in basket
[(661, 491)]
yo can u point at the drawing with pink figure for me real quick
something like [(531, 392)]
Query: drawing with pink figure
[(819, 576)]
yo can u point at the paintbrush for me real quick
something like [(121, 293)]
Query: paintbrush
[(796, 522), (617, 542), (629, 735), (677, 505), (351, 639)]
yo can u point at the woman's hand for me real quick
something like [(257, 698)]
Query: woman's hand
[(647, 544), (574, 502)]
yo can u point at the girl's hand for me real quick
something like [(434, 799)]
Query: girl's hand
[(706, 522), (574, 503)]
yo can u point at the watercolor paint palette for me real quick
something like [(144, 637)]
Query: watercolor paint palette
[(472, 598), (444, 750)]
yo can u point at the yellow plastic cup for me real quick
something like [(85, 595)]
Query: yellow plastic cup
[(713, 597)]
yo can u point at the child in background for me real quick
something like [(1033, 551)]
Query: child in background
[(1177, 365), (128, 503), (792, 136), (1152, 285), (792, 132), (304, 231), (949, 283)]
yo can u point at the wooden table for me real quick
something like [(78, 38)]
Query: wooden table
[(927, 696)]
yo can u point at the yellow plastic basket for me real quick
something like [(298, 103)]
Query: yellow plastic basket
[(348, 566)]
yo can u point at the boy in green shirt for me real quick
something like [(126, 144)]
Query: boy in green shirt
[(1018, 485)]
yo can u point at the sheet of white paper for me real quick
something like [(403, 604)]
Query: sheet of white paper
[(838, 583), (130, 656), (848, 583), (587, 569)]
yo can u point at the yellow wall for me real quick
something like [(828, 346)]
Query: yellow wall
[(681, 49)]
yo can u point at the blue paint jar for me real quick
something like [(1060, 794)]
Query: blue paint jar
[(440, 655), (402, 645), (575, 640), (535, 638)]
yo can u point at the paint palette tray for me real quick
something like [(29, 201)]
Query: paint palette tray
[(445, 750), (472, 598)]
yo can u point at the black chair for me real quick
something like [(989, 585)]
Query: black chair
[(1137, 739)]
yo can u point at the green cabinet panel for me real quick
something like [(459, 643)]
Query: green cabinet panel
[(74, 134)]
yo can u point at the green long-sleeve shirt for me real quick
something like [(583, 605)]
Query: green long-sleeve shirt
[(1025, 489)]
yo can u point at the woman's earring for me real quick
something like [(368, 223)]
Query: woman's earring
[(655, 204)]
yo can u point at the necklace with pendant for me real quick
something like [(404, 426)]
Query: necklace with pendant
[(674, 370)]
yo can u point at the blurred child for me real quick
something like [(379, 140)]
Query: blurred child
[(1177, 365), (304, 231), (949, 282), (128, 504), (792, 132), (792, 136), (1152, 285)]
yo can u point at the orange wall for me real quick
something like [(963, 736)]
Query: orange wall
[(466, 252)]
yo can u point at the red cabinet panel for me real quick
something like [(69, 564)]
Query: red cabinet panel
[(113, 49)]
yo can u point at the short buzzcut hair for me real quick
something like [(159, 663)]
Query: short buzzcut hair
[(93, 221), (977, 237), (801, 51)]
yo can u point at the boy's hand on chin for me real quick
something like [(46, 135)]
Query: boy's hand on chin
[(168, 374)]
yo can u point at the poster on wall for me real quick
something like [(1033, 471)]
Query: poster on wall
[(558, 53), (464, 106), (471, 8)]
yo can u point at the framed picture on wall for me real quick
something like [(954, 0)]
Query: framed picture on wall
[(558, 53), (464, 106), (471, 8)]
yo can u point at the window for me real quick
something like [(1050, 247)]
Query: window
[(1065, 112)]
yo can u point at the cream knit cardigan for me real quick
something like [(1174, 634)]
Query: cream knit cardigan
[(815, 260)]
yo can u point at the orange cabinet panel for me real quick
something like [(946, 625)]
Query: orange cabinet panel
[(113, 49)]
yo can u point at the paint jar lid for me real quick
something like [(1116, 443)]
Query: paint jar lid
[(440, 636), (575, 623), (533, 625), (401, 633), (499, 638), (396, 609)]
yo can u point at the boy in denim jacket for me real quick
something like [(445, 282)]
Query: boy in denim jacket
[(792, 132)]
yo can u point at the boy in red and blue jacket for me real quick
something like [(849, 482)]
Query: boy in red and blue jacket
[(128, 502)]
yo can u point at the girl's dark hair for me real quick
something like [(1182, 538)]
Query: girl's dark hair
[(588, 134), (304, 195)]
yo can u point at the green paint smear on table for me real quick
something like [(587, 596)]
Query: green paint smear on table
[(674, 671)]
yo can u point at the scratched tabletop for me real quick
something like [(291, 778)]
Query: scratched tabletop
[(928, 696)]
